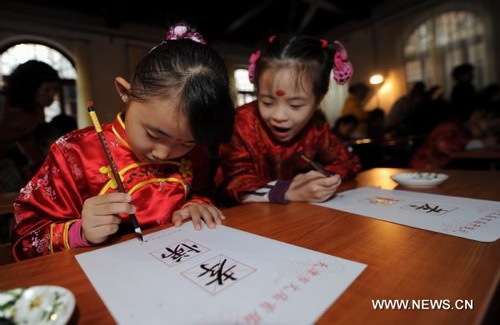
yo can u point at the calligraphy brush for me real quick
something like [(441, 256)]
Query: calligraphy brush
[(111, 162), (315, 165)]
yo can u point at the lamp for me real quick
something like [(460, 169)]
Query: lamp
[(376, 80)]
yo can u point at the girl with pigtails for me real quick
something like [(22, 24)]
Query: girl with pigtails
[(177, 101), (291, 75)]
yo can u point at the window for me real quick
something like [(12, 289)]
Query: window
[(438, 45), (19, 53), (244, 87)]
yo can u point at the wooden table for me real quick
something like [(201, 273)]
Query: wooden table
[(403, 262), (476, 159), (477, 154)]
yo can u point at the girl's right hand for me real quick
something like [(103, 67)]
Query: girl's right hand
[(99, 215), (312, 187)]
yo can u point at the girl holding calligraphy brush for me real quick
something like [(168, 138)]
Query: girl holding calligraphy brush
[(177, 102), (280, 140)]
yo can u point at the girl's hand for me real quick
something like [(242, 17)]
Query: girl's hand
[(99, 215), (312, 187), (195, 211)]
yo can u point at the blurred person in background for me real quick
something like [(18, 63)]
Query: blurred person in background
[(30, 88)]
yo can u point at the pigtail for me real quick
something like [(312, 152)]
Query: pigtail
[(255, 56), (252, 63), (342, 67)]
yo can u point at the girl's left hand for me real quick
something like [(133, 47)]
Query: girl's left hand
[(195, 211)]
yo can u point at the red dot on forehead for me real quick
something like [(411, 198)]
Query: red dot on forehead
[(280, 92)]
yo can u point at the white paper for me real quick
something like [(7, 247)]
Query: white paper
[(263, 281), (467, 218)]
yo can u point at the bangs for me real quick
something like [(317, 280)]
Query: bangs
[(209, 109), (305, 75)]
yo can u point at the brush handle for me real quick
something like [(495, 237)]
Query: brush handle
[(112, 164), (320, 169), (314, 164)]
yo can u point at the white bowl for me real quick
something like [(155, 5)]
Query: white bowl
[(419, 180), (41, 305)]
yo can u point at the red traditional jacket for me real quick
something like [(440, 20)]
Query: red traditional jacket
[(448, 137), (76, 169), (254, 158)]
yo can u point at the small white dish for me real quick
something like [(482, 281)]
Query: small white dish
[(41, 305), (419, 180)]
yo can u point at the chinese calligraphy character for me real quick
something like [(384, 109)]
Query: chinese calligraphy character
[(383, 200), (429, 208), (269, 307), (304, 279), (252, 318), (218, 272), (478, 223), (282, 296), (180, 251), (321, 264), (292, 286)]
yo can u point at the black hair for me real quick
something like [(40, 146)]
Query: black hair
[(357, 87), (47, 133), (196, 74), (461, 70), (376, 113), (312, 58), (25, 80), (346, 119), (491, 112), (418, 89)]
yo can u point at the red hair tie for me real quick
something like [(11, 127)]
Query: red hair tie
[(324, 43), (342, 68), (253, 64), (271, 39)]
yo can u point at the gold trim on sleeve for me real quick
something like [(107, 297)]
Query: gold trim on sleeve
[(66, 233), (51, 233), (122, 172), (158, 180)]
